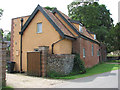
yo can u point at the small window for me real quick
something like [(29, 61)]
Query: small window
[(39, 28), (83, 52), (98, 53), (92, 50), (80, 28), (94, 36)]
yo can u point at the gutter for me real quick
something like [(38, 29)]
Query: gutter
[(21, 33), (56, 43)]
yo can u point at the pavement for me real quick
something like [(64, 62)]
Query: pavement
[(23, 81), (104, 80)]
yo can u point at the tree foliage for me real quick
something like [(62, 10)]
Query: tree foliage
[(8, 36), (114, 38), (1, 12), (95, 17), (50, 8)]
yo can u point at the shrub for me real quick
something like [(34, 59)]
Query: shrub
[(78, 64), (53, 74)]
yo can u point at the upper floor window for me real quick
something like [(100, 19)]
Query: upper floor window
[(83, 52), (94, 36), (39, 27), (80, 28), (92, 50)]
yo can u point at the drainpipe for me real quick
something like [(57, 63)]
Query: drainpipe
[(21, 33), (55, 43)]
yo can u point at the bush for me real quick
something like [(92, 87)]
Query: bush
[(78, 64), (53, 74)]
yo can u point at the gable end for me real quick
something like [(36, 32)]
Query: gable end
[(39, 8)]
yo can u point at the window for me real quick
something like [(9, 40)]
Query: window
[(92, 50), (94, 36), (98, 53), (80, 28), (39, 28), (83, 52)]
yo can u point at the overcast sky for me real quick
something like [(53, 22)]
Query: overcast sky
[(17, 8)]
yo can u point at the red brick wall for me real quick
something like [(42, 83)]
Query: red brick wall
[(11, 46), (76, 46), (89, 60)]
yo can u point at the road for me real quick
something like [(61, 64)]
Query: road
[(104, 80)]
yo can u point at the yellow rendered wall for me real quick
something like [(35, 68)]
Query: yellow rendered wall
[(65, 46), (32, 39), (65, 24), (16, 41)]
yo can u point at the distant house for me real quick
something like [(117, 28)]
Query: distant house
[(53, 29)]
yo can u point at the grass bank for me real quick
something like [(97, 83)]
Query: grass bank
[(7, 88), (100, 68), (114, 61)]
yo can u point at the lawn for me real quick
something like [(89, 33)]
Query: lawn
[(7, 88), (114, 61), (100, 68)]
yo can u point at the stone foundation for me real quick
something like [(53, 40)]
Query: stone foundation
[(62, 64)]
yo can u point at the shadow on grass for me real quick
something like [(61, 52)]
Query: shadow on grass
[(98, 69)]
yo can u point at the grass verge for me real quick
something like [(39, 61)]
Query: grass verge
[(114, 61), (100, 68), (7, 88)]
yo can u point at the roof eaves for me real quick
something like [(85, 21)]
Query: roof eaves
[(90, 32), (69, 37), (75, 21)]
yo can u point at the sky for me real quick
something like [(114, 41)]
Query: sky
[(18, 8)]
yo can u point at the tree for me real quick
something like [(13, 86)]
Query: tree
[(1, 12), (8, 36), (96, 18), (114, 36), (50, 8)]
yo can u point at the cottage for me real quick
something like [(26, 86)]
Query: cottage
[(53, 29)]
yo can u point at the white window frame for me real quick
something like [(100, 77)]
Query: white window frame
[(80, 28), (83, 52), (39, 28), (92, 50)]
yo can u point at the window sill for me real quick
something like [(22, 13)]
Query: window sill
[(39, 32), (83, 56)]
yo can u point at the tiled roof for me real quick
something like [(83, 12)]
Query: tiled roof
[(85, 31), (58, 23)]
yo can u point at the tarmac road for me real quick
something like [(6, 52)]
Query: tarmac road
[(104, 80)]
